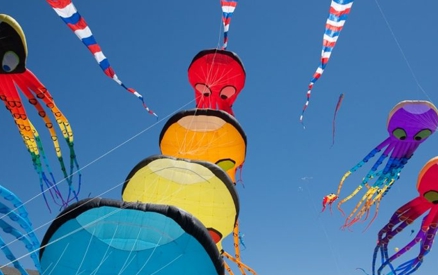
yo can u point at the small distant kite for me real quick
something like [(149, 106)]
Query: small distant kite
[(68, 13), (328, 200)]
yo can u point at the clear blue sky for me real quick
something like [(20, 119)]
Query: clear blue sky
[(288, 170)]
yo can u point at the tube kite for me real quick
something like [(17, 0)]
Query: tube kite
[(68, 13), (228, 7), (339, 10)]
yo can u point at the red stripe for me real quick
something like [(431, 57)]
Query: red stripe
[(59, 4), (94, 48), (339, 13)]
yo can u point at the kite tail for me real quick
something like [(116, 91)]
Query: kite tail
[(139, 96), (69, 14), (338, 106), (228, 7)]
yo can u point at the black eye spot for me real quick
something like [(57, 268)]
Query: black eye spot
[(399, 133), (423, 134)]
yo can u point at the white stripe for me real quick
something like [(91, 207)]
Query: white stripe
[(116, 79), (67, 11), (84, 33), (326, 54), (228, 9), (319, 70), (331, 39), (99, 57), (226, 27), (335, 23), (341, 7)]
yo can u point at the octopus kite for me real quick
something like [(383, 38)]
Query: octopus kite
[(13, 76), (328, 200), (409, 124), (217, 77), (427, 186)]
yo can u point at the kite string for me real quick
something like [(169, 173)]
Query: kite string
[(321, 225), (401, 50), (85, 166)]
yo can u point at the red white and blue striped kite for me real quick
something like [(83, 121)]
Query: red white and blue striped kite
[(339, 10), (68, 13), (228, 7)]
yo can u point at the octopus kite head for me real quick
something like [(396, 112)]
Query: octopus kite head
[(427, 184), (412, 121), (13, 47), (217, 76)]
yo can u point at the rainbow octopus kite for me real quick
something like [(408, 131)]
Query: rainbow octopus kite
[(409, 124), (427, 186), (339, 10), (13, 75), (68, 13)]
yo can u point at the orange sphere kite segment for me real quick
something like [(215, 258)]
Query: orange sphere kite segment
[(201, 188), (427, 186), (205, 134), (13, 76), (217, 76)]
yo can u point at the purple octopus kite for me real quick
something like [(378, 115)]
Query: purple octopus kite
[(409, 124)]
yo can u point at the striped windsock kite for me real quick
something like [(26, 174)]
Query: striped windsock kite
[(339, 10), (68, 13)]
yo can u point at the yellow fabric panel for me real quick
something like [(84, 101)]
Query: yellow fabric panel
[(190, 186), (208, 138)]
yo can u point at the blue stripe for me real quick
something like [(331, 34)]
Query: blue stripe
[(74, 19)]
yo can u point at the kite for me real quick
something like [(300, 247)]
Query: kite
[(19, 215), (328, 200), (200, 188), (427, 186), (217, 77), (104, 236), (13, 76), (338, 105), (207, 135), (68, 13), (339, 10), (409, 124), (228, 7)]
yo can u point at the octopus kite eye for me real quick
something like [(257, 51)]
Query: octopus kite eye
[(227, 92), (10, 61), (431, 196), (423, 134), (203, 89), (399, 133)]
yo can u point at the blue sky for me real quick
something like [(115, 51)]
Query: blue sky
[(288, 170)]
